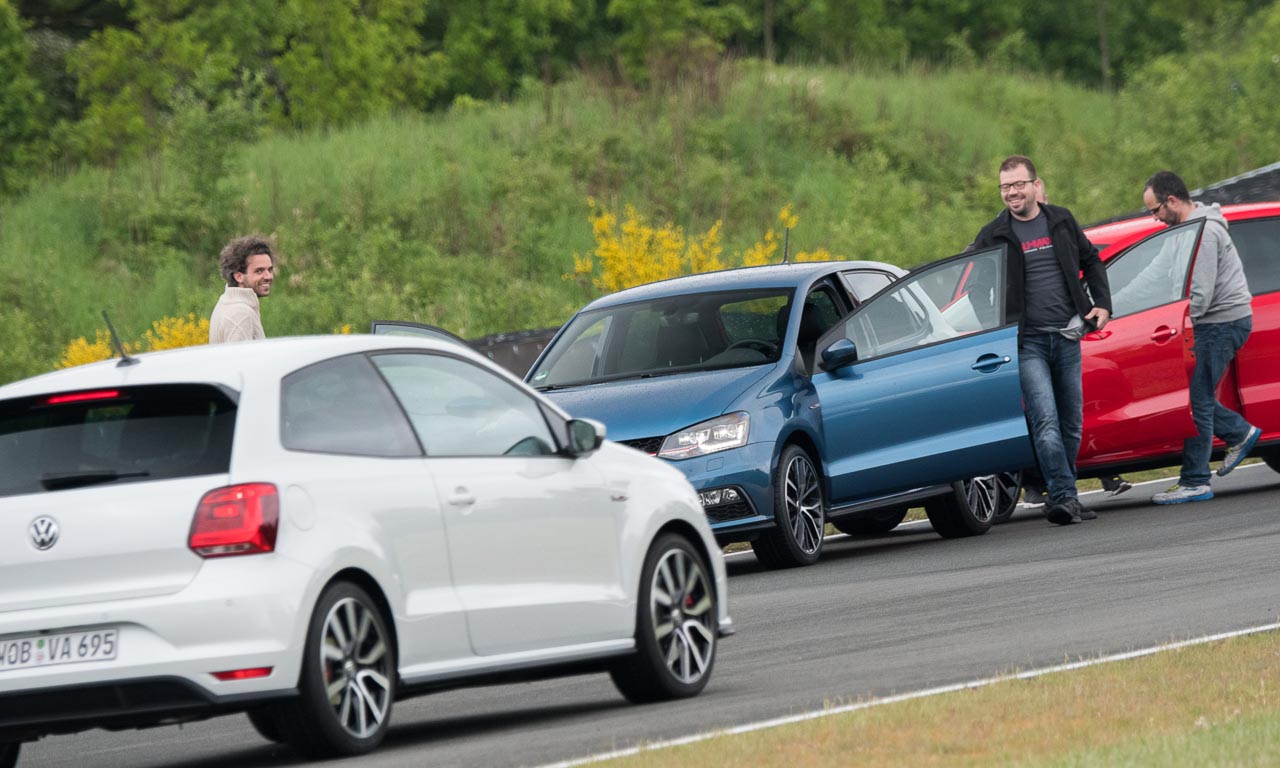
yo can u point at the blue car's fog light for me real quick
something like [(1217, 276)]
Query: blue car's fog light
[(718, 496)]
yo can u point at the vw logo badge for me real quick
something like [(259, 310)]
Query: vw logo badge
[(44, 532)]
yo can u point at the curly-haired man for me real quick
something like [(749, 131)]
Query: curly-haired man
[(248, 266)]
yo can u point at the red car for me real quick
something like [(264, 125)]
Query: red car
[(1136, 404)]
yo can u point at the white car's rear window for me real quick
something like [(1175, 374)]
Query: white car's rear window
[(113, 435)]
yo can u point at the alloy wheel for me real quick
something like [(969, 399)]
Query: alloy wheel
[(802, 498), (356, 665), (681, 605), (992, 498)]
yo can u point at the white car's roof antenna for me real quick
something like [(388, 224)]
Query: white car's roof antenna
[(115, 342)]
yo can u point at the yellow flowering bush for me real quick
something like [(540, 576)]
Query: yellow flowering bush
[(174, 332), (166, 333), (635, 251), (82, 351)]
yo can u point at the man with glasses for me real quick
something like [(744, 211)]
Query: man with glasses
[(1222, 318), (1047, 252)]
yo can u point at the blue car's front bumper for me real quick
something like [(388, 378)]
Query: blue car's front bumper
[(747, 469)]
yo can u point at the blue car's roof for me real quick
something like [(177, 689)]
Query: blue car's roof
[(788, 275)]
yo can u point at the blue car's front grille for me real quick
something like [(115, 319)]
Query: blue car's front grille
[(649, 445)]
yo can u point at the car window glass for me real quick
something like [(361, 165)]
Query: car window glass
[(458, 408), (1153, 272), (754, 320), (124, 435), (1258, 242), (343, 406), (667, 334), (864, 284), (912, 313)]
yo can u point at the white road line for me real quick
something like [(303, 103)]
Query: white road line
[(804, 716)]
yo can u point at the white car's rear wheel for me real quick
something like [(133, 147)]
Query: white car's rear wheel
[(676, 626), (348, 678)]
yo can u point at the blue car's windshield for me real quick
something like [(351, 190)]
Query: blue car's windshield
[(673, 334)]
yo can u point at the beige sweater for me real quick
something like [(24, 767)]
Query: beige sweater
[(235, 318)]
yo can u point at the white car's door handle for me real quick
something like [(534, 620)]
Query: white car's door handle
[(462, 498)]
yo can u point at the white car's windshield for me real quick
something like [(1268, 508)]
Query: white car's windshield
[(674, 334)]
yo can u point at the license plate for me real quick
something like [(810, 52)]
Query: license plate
[(61, 648)]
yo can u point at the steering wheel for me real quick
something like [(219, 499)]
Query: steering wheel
[(765, 347)]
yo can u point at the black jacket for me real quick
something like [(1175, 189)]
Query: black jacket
[(1074, 251)]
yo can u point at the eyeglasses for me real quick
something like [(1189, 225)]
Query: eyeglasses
[(1015, 185), (1156, 211)]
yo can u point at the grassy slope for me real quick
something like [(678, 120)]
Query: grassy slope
[(470, 219)]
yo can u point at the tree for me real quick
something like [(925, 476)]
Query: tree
[(663, 38), (20, 102)]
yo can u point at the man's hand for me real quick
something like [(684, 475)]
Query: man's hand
[(1099, 316)]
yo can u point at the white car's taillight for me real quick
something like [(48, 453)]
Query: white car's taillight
[(236, 520)]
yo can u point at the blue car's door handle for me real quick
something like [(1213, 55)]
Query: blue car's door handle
[(988, 363)]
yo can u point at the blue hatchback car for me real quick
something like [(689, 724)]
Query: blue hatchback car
[(796, 394)]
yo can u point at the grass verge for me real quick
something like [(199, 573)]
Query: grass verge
[(1211, 704)]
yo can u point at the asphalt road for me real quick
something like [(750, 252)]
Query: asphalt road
[(901, 612)]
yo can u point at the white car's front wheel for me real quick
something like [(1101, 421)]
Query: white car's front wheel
[(676, 624)]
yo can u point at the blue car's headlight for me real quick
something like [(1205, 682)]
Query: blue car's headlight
[(718, 434)]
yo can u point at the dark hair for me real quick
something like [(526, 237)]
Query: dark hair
[(235, 255), (1013, 161), (1164, 184)]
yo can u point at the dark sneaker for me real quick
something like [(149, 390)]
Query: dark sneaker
[(1082, 512), (1237, 453), (1062, 512)]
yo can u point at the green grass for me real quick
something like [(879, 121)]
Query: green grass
[(1211, 704), (470, 218)]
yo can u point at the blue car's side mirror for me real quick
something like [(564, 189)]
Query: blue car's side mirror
[(841, 353)]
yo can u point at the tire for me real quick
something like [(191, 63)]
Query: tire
[(676, 626), (800, 513), (348, 680), (1007, 488), (1273, 459), (264, 721), (963, 512), (877, 521), (9, 753)]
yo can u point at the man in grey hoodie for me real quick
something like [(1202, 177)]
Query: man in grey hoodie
[(1222, 318)]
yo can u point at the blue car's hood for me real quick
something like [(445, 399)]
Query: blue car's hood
[(636, 408)]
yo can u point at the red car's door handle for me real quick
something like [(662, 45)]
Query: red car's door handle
[(1163, 333)]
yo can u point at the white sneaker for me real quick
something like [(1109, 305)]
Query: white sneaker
[(1178, 494), (1237, 453)]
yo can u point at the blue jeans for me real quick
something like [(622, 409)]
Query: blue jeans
[(1049, 366), (1216, 345)]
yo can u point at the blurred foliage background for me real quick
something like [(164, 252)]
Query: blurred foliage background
[(444, 161)]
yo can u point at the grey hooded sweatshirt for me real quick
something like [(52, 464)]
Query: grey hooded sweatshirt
[(1219, 291)]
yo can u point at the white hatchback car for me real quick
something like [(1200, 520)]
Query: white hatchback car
[(308, 529)]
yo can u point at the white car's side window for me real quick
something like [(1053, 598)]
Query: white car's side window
[(459, 409), (341, 406)]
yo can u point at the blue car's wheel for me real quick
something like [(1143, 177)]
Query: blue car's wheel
[(800, 513), (1005, 489)]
